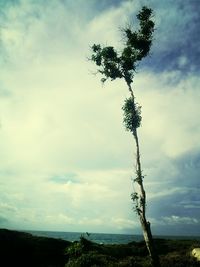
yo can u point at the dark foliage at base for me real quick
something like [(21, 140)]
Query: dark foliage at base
[(173, 253), (23, 249)]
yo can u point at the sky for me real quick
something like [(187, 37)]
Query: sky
[(66, 161)]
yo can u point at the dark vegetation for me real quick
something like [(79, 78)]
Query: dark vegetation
[(23, 249)]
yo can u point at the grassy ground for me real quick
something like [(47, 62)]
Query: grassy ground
[(22, 249)]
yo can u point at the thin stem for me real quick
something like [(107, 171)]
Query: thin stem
[(138, 164), (141, 202)]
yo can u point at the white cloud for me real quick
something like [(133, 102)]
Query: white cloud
[(36, 200), (56, 118), (170, 112), (180, 220), (122, 223), (107, 26)]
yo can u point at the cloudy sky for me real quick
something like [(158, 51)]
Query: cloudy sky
[(66, 161)]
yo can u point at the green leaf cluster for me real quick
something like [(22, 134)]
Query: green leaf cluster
[(113, 64), (132, 115)]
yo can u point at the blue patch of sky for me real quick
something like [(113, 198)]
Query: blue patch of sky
[(7, 172), (170, 59), (6, 3), (189, 169), (185, 201), (4, 92), (176, 39), (63, 179), (105, 4)]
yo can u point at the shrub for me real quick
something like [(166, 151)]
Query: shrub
[(177, 260), (91, 259)]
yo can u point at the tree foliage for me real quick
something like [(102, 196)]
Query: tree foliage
[(115, 64), (132, 115)]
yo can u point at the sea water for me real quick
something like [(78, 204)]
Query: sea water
[(103, 238)]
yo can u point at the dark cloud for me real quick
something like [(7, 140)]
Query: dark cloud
[(179, 209), (176, 45), (189, 166), (180, 229)]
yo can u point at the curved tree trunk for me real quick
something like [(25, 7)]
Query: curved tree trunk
[(146, 228), (141, 201)]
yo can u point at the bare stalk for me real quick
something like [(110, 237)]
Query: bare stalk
[(141, 199)]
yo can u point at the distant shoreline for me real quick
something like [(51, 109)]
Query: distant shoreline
[(106, 237)]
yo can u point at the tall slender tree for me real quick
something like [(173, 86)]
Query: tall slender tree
[(113, 64)]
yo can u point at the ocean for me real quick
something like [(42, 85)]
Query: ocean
[(104, 238)]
